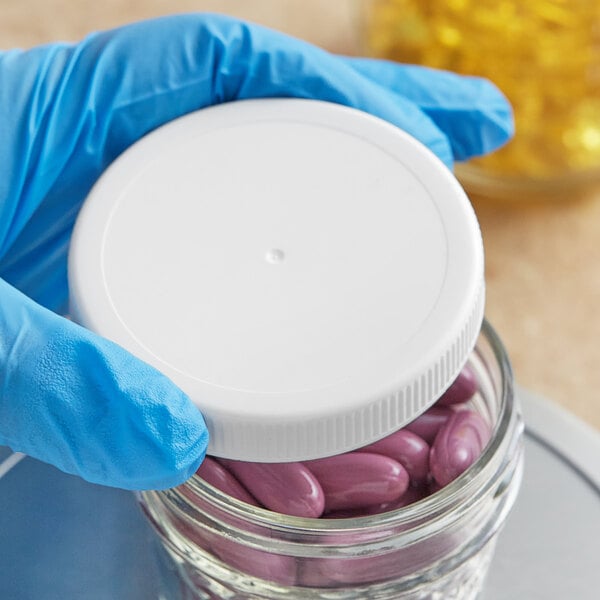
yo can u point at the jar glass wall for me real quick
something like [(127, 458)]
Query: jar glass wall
[(439, 547), (544, 55)]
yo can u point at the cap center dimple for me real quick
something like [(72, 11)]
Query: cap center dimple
[(275, 256)]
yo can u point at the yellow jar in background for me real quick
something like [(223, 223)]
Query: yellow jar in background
[(543, 54)]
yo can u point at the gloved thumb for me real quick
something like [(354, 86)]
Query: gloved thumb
[(85, 405)]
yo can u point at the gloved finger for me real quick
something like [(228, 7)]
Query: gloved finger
[(87, 406), (472, 112), (82, 105)]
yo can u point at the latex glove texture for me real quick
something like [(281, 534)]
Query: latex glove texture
[(67, 396)]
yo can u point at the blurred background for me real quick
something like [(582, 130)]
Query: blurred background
[(538, 199)]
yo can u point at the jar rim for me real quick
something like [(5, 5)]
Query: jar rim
[(424, 508)]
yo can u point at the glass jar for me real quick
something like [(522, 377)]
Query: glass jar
[(437, 548), (319, 301), (544, 55)]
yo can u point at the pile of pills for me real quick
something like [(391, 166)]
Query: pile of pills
[(393, 472), (558, 109)]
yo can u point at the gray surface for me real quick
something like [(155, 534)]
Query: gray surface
[(64, 539), (550, 547)]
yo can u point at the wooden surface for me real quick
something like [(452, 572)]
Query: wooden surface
[(543, 259)]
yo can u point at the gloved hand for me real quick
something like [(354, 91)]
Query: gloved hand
[(67, 396)]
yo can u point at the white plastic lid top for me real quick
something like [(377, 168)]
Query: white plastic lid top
[(310, 275)]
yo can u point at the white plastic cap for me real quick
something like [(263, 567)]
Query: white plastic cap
[(311, 276)]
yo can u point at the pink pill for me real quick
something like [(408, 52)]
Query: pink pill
[(410, 450), (288, 488), (337, 572), (462, 389), (358, 479), (434, 486), (457, 446), (412, 495), (258, 563), (215, 474), (428, 424)]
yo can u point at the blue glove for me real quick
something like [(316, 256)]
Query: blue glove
[(67, 396)]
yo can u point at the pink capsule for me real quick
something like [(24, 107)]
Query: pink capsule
[(410, 450), (457, 446), (358, 479), (259, 563), (218, 476), (434, 487), (428, 424), (463, 388), (287, 488), (412, 495), (362, 570)]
